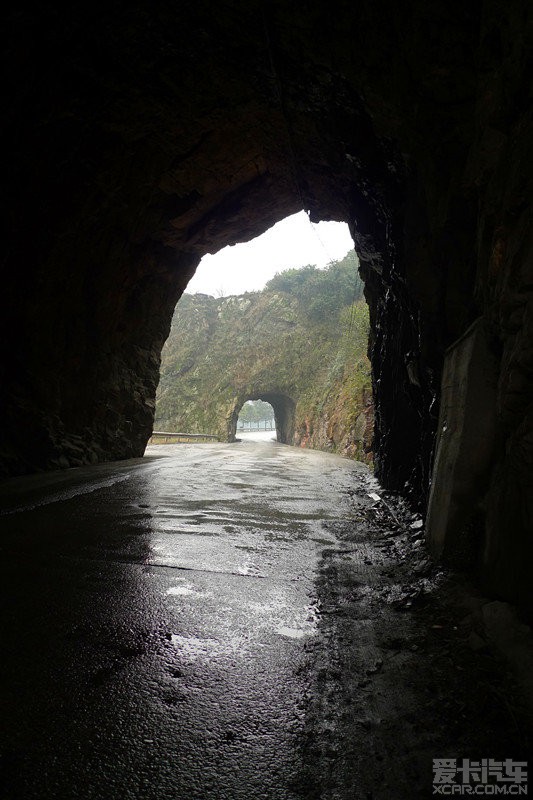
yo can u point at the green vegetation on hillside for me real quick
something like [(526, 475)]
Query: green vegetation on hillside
[(321, 292)]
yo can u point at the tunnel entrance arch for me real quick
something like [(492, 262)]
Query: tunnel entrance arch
[(212, 163), (155, 160), (284, 414)]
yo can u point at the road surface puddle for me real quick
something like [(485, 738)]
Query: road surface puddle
[(294, 633), (193, 647), (186, 589)]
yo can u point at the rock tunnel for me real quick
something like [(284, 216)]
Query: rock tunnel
[(284, 408), (138, 138)]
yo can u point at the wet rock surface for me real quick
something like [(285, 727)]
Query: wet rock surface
[(237, 621)]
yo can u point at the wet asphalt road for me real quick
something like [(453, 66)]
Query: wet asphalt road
[(159, 621)]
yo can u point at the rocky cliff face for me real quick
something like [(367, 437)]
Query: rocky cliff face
[(222, 352), (138, 138)]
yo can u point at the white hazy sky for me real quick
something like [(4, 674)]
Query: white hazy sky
[(293, 242)]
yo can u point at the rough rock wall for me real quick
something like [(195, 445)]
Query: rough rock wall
[(138, 138), (222, 352)]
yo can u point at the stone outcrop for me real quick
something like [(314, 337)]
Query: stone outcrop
[(263, 345), (467, 442), (139, 137)]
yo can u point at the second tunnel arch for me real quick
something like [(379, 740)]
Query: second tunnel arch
[(284, 414)]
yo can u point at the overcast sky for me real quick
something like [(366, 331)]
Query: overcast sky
[(293, 242)]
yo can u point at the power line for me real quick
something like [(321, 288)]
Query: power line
[(315, 231)]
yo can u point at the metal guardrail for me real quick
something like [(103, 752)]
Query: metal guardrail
[(255, 426), (170, 437)]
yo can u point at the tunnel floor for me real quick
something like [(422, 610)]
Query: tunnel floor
[(217, 622)]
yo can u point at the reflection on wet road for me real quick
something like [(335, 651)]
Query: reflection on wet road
[(160, 617)]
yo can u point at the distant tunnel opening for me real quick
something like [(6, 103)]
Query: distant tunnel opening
[(256, 417), (283, 415)]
